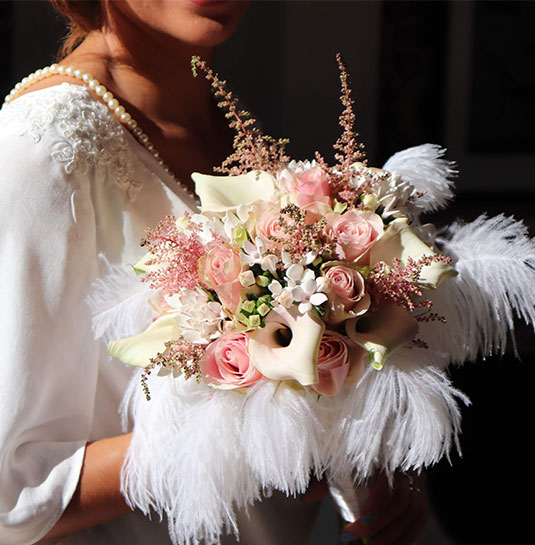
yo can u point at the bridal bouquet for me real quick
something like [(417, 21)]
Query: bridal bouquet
[(302, 323)]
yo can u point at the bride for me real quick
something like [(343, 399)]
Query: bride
[(93, 151)]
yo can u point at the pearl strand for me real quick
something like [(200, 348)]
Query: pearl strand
[(106, 97)]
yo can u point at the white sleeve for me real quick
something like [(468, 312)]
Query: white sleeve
[(48, 358)]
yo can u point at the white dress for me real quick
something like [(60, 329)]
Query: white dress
[(74, 187)]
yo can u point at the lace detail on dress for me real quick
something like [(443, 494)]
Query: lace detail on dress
[(88, 136)]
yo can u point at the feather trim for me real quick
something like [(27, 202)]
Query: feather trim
[(275, 437), (118, 302), (405, 416), (290, 436), (495, 259), (196, 478), (426, 170)]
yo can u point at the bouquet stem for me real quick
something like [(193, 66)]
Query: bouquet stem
[(349, 500)]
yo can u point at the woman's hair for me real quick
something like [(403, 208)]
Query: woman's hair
[(82, 18)]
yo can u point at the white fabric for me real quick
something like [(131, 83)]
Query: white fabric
[(73, 184), (76, 194)]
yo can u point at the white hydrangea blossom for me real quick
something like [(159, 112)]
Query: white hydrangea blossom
[(394, 194), (199, 319)]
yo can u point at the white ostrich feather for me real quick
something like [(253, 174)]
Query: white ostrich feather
[(118, 302), (287, 426), (185, 459), (495, 259), (197, 455), (426, 170), (405, 416)]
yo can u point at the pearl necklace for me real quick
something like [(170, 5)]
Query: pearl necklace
[(118, 111)]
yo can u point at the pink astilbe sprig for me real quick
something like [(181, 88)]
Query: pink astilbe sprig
[(349, 149), (419, 343), (179, 355), (431, 317), (338, 182), (302, 237), (365, 181), (417, 195), (253, 150), (400, 283), (344, 193), (176, 253)]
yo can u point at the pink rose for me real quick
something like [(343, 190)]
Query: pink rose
[(226, 364), (333, 363), (353, 233), (347, 297), (311, 187), (268, 226), (219, 269)]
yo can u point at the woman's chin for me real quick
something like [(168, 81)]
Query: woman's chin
[(201, 23)]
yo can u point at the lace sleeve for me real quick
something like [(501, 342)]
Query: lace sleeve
[(48, 358)]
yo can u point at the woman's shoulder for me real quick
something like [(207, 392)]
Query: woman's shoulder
[(63, 127), (65, 109)]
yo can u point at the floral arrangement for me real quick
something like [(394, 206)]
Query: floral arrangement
[(301, 325), (294, 271)]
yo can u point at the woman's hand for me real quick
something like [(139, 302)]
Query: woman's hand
[(392, 516)]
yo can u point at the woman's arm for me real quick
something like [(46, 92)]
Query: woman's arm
[(97, 498)]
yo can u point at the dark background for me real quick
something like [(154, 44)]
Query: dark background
[(455, 73)]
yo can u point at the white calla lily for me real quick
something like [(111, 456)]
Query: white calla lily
[(219, 194), (382, 331), (286, 348), (400, 241), (139, 349)]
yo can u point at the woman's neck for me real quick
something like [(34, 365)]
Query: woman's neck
[(155, 83)]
